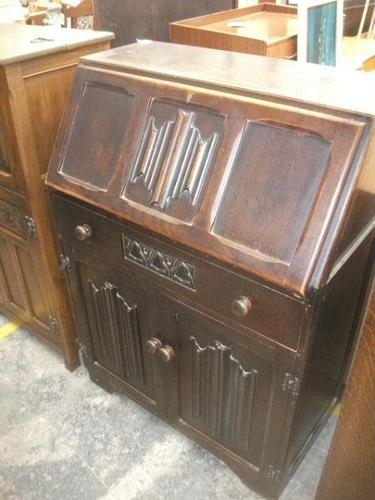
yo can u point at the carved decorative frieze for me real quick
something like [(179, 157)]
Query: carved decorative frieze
[(223, 392), (118, 339), (175, 154), (161, 263)]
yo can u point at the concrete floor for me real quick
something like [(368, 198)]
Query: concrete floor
[(62, 437)]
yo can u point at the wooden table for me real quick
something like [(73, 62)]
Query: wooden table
[(265, 29)]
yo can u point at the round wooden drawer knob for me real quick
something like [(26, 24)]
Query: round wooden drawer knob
[(241, 307), (153, 345), (83, 232), (166, 353)]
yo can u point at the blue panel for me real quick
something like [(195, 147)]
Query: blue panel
[(321, 34)]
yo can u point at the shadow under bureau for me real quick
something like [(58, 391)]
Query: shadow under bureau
[(216, 241)]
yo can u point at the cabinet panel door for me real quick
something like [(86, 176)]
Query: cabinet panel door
[(115, 327), (23, 292), (223, 382)]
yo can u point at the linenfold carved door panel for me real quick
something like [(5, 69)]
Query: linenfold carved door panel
[(174, 157), (223, 389), (117, 325)]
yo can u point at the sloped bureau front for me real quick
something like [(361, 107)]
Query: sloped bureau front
[(269, 213), (94, 144)]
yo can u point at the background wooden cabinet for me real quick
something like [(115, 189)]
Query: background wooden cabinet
[(34, 86)]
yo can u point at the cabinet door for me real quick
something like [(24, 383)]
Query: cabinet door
[(23, 292), (114, 324), (222, 383)]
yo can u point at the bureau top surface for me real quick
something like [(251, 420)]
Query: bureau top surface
[(19, 42), (308, 83), (160, 135)]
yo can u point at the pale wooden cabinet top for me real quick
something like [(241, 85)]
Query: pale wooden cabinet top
[(19, 42)]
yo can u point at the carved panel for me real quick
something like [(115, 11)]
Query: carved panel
[(270, 193), (95, 140), (222, 392), (11, 217), (160, 263), (174, 157), (118, 339)]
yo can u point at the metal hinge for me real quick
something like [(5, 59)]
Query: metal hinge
[(65, 263), (272, 474), (31, 229), (291, 384), (81, 348), (53, 325)]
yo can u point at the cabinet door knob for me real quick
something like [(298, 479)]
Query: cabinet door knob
[(166, 353), (83, 232), (241, 307), (153, 345)]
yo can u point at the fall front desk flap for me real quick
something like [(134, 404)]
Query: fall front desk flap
[(251, 160)]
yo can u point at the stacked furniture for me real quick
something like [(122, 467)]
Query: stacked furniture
[(216, 213), (37, 66)]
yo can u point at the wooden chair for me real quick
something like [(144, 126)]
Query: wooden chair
[(79, 16)]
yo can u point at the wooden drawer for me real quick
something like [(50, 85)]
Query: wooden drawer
[(232, 297)]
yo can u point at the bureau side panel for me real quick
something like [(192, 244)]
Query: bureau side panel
[(334, 337)]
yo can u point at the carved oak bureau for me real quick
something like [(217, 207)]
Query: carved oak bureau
[(215, 213), (37, 66)]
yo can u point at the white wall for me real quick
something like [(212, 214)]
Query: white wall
[(245, 3), (8, 3), (10, 11)]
